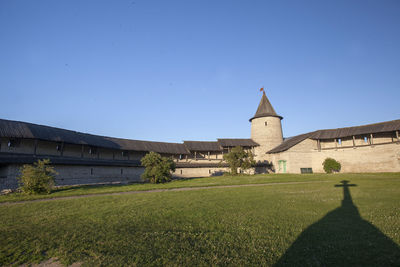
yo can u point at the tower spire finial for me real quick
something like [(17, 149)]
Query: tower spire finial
[(265, 108)]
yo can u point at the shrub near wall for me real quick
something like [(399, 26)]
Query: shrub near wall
[(37, 178), (239, 158), (157, 168), (331, 165)]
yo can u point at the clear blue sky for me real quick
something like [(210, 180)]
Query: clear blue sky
[(191, 70)]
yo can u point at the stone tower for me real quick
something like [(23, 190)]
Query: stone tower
[(266, 129)]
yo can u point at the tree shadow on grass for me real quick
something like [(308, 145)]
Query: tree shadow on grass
[(342, 238)]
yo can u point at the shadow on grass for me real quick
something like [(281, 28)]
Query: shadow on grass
[(342, 238), (86, 187)]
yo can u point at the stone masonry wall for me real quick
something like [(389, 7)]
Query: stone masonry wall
[(8, 176), (267, 132), (69, 175), (74, 175), (379, 157)]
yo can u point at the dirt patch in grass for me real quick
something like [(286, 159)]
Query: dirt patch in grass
[(52, 262)]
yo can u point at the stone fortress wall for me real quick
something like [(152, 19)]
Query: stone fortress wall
[(76, 175), (383, 155), (80, 163), (95, 165)]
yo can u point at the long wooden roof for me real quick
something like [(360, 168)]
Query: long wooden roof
[(232, 142), (18, 129), (388, 126), (202, 145), (381, 127)]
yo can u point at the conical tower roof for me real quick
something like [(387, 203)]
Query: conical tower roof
[(265, 109)]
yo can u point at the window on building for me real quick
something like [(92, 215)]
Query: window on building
[(124, 153), (209, 171), (91, 171), (180, 156), (58, 147), (122, 171), (266, 123), (181, 171), (13, 143), (92, 150), (306, 170)]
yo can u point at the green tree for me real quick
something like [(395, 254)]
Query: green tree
[(37, 178), (239, 158), (331, 165), (157, 168)]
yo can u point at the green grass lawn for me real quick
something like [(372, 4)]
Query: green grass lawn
[(313, 224), (196, 182)]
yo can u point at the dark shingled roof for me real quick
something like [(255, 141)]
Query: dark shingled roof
[(17, 129), (160, 147), (381, 127), (202, 145), (289, 142), (388, 126), (265, 109), (231, 142)]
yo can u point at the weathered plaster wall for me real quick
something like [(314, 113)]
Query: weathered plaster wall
[(379, 157), (198, 172), (299, 156), (204, 172), (376, 158)]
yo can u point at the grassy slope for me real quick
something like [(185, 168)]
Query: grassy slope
[(197, 182), (231, 226)]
